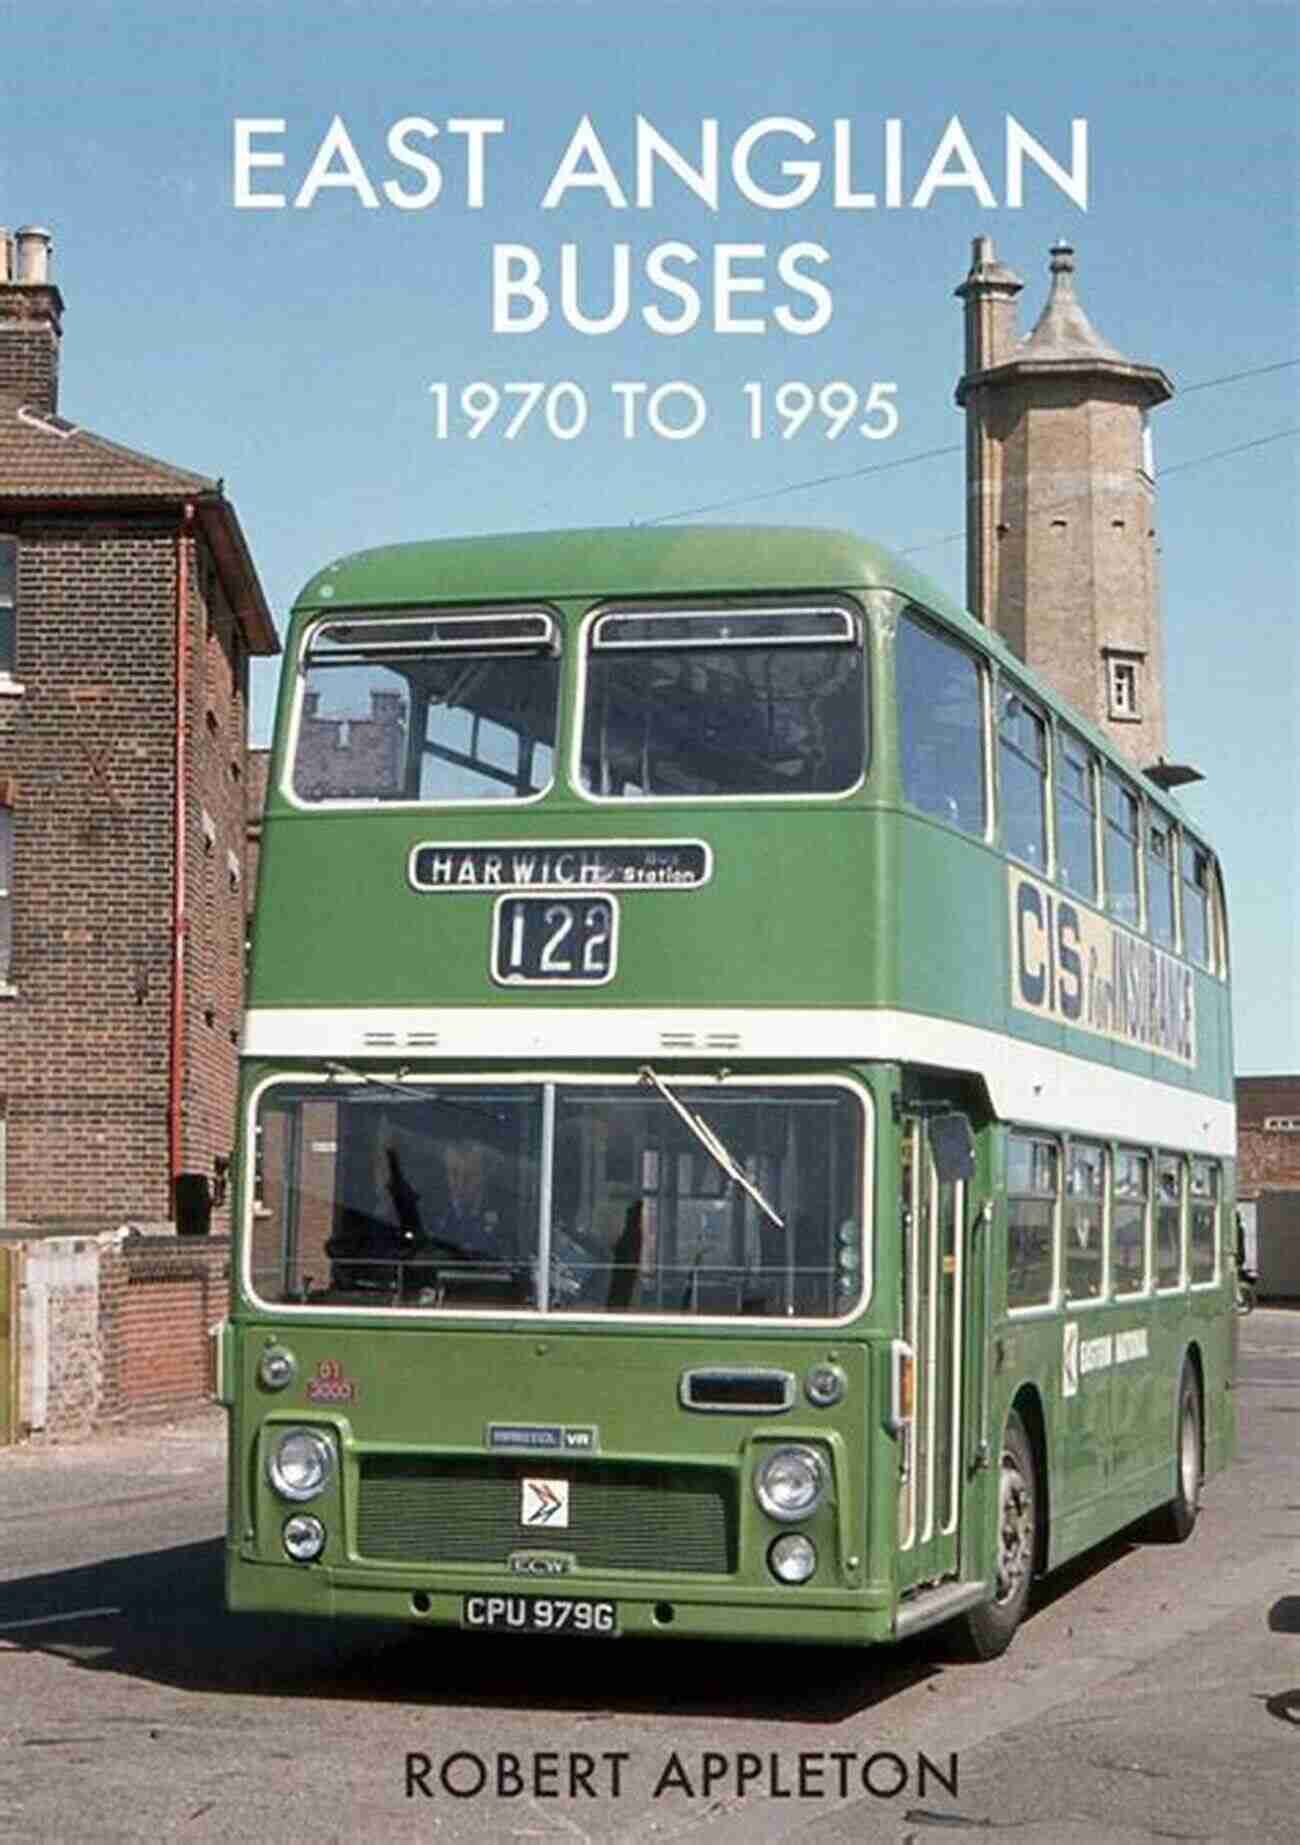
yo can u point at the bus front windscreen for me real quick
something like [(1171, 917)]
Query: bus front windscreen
[(609, 1198), (459, 707), (734, 702)]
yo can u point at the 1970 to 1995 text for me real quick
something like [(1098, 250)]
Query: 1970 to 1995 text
[(671, 412)]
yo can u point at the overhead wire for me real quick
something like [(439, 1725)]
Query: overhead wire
[(954, 448), (1196, 461)]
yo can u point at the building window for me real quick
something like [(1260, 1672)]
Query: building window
[(1282, 1124), (1123, 687), (6, 892), (8, 607)]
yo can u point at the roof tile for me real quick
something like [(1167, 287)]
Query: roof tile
[(43, 456)]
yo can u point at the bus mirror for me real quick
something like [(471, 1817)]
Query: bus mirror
[(953, 1146)]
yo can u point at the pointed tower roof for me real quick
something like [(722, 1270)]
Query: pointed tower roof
[(1065, 340), (1064, 330)]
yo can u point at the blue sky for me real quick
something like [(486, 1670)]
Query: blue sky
[(292, 351)]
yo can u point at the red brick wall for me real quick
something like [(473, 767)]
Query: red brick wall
[(1268, 1158), (84, 1046), (157, 1300)]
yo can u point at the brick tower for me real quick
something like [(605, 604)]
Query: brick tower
[(1060, 523)]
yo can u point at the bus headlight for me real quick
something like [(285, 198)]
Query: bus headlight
[(792, 1558), (304, 1537), (300, 1463), (790, 1483)]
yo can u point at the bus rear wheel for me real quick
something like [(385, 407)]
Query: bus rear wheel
[(988, 1630), (1174, 1521)]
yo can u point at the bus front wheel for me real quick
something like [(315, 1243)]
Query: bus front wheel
[(988, 1629)]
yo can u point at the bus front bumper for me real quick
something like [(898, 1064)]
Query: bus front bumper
[(490, 1608)]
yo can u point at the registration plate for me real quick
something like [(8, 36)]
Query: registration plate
[(538, 1614)]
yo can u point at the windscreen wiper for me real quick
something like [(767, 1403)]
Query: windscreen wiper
[(710, 1142)]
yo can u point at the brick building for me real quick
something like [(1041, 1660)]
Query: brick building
[(1268, 1178), (1061, 555), (129, 607)]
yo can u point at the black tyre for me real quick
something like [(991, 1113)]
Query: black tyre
[(989, 1629), (1175, 1520)]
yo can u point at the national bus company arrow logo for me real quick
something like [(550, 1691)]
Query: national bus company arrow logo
[(546, 1502)]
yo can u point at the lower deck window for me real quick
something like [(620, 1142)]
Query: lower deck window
[(1169, 1223), (1203, 1221), (1084, 1222), (601, 1198), (1130, 1197), (1032, 1169)]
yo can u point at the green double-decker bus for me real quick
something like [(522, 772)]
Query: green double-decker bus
[(736, 1130)]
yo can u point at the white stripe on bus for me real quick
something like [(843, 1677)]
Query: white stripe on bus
[(1027, 1082)]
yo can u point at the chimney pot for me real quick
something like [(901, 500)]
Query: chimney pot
[(32, 245)]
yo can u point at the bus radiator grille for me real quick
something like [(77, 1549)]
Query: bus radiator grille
[(423, 1509)]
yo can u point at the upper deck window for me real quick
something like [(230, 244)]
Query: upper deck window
[(1160, 879), (724, 702), (1198, 904), (456, 707), (1121, 832), (1076, 811), (940, 727), (1022, 777)]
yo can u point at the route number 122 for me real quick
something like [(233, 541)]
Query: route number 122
[(554, 941)]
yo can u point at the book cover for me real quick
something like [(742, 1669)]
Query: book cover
[(398, 272)]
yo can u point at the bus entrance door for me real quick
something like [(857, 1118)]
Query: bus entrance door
[(934, 1286)]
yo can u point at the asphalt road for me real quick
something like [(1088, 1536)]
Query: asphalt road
[(1154, 1692)]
